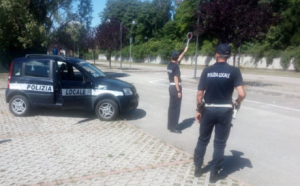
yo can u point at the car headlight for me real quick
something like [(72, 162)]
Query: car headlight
[(127, 91)]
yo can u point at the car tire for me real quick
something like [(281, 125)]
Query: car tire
[(107, 110), (19, 105)]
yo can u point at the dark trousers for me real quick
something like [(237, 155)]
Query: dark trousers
[(174, 108), (220, 118)]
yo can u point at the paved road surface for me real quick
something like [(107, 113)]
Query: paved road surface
[(263, 148)]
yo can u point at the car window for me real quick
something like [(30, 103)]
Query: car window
[(37, 68), (68, 72), (94, 71), (16, 71)]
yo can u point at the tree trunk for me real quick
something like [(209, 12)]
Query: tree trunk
[(94, 57), (239, 57), (234, 55), (110, 60)]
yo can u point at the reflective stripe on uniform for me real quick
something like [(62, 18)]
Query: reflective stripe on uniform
[(174, 83), (218, 105)]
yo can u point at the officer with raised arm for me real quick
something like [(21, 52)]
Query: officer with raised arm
[(216, 86), (175, 90)]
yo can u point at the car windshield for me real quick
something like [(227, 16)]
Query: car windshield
[(91, 69)]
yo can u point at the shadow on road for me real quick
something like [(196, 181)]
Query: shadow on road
[(234, 163), (258, 84), (129, 68), (4, 141), (185, 124), (85, 114), (133, 115), (74, 113), (230, 164)]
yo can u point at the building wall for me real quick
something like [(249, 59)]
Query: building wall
[(245, 61)]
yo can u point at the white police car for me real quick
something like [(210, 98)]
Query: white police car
[(67, 83)]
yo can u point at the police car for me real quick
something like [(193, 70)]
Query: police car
[(66, 83)]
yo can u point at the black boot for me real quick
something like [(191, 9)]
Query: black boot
[(214, 177), (198, 172)]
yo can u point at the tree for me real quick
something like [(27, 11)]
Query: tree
[(235, 21), (185, 16), (287, 32), (91, 40), (122, 10), (20, 31), (108, 37), (151, 16), (85, 11)]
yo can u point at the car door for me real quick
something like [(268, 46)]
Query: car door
[(37, 81), (75, 87)]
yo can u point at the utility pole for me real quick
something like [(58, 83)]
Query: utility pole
[(121, 29)]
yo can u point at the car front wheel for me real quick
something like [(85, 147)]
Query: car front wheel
[(19, 105), (107, 110)]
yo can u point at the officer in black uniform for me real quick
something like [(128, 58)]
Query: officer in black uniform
[(175, 90), (216, 84)]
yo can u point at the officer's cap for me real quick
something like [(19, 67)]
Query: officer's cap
[(223, 49), (175, 55)]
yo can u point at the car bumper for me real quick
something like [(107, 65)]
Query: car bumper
[(7, 93), (128, 102)]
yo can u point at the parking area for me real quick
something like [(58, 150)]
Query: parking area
[(73, 147)]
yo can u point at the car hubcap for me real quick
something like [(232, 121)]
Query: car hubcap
[(18, 106), (106, 110)]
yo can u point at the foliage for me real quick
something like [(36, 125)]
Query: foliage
[(185, 16), (270, 55), (151, 16), (90, 38), (85, 12), (20, 31), (286, 33), (208, 48), (291, 54), (262, 28), (233, 21), (297, 61), (107, 37), (285, 60)]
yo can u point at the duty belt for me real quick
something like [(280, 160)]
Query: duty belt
[(175, 84), (219, 105)]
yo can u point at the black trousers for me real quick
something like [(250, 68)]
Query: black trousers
[(174, 107), (220, 119)]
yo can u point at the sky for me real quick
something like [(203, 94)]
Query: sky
[(98, 6)]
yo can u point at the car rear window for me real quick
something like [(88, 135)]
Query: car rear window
[(37, 68)]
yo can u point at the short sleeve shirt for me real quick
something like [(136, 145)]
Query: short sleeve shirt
[(173, 70), (218, 81)]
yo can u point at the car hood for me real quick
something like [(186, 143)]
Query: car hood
[(112, 84)]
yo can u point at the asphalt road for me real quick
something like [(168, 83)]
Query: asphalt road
[(263, 147)]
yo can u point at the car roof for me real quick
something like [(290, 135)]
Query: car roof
[(46, 56)]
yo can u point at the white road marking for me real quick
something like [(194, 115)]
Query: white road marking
[(271, 105)]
